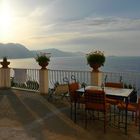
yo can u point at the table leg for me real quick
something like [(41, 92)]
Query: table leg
[(126, 111), (75, 112)]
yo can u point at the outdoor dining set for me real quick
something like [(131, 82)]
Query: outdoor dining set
[(110, 102)]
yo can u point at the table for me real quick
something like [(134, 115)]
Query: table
[(114, 92)]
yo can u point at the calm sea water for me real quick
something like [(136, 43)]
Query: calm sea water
[(112, 64)]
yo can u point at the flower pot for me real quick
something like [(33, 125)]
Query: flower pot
[(95, 66), (43, 65), (4, 64)]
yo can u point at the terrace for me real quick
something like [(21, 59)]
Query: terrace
[(26, 114)]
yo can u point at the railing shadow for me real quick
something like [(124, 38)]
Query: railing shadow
[(23, 115), (36, 117), (50, 119)]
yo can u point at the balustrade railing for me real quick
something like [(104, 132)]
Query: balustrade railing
[(129, 79), (29, 78), (61, 76), (25, 78)]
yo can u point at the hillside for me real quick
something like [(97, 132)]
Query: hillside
[(57, 53), (14, 50)]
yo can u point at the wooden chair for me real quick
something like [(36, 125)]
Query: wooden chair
[(132, 107), (95, 100), (75, 98), (111, 100), (115, 85), (59, 91)]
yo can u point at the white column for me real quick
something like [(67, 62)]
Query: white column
[(96, 78), (5, 81), (43, 81)]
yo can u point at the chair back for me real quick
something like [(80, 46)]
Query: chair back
[(139, 106), (95, 100), (133, 97), (72, 90), (73, 87), (115, 85), (61, 89)]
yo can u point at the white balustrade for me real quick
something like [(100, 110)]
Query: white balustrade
[(29, 78)]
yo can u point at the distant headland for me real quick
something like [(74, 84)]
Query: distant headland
[(16, 50)]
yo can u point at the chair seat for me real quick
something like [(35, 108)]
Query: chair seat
[(97, 106), (112, 101), (81, 100), (74, 98), (131, 106), (95, 100)]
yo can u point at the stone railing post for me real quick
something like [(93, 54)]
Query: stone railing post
[(43, 81), (5, 81), (96, 78)]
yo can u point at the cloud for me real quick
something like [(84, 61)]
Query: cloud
[(90, 28), (77, 25), (113, 35)]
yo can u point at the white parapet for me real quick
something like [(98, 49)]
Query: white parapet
[(43, 81), (5, 78), (96, 78)]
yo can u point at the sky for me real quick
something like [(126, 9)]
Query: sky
[(112, 26)]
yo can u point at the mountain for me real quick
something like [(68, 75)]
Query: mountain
[(14, 50), (57, 53)]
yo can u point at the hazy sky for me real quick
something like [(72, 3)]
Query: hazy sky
[(112, 26)]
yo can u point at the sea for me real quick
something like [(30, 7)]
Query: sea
[(112, 64)]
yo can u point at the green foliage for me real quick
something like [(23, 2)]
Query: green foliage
[(83, 84), (133, 96), (129, 86), (96, 57), (32, 84), (4, 58), (42, 57)]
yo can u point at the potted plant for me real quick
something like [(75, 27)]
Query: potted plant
[(96, 59), (5, 63), (43, 59)]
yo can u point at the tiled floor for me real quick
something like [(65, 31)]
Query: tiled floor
[(29, 116)]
